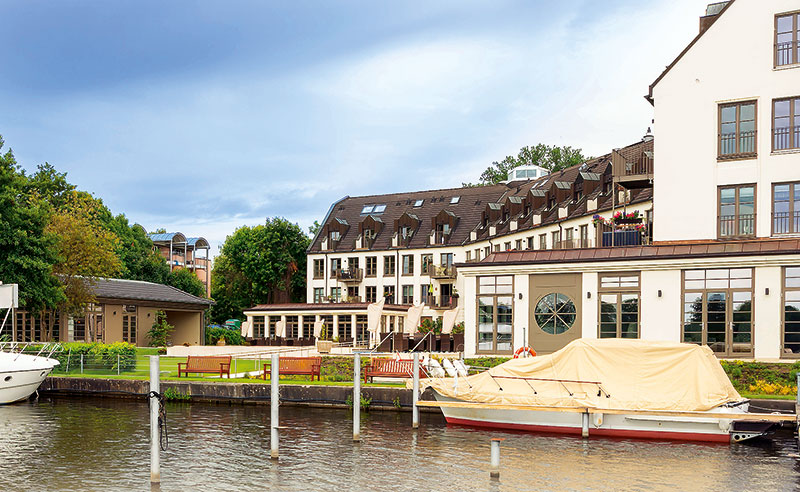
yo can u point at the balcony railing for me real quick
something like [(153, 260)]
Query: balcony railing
[(742, 225), (574, 244), (784, 54), (350, 275), (440, 271), (441, 302), (785, 223), (786, 138), (728, 148), (440, 237)]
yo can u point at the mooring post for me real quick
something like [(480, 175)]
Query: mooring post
[(118, 359), (585, 424), (155, 449), (356, 397), (415, 396), (274, 400), (494, 457), (797, 409), (81, 363)]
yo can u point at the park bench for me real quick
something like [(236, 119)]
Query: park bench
[(391, 368), (296, 366), (206, 364)]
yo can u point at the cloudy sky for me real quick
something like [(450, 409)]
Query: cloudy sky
[(204, 116)]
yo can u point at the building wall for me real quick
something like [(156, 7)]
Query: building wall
[(186, 325), (732, 61)]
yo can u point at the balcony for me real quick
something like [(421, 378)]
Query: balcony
[(785, 223), (442, 302), (737, 226), (440, 271), (574, 244), (634, 170), (350, 275)]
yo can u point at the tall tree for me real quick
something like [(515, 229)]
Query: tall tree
[(552, 158), (186, 281), (261, 264)]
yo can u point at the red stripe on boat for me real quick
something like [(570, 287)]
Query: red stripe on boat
[(624, 433)]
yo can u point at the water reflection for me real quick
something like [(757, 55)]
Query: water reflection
[(86, 444)]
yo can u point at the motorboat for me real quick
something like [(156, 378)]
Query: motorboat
[(612, 388)]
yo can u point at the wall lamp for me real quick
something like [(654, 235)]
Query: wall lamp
[(520, 296), (588, 295), (766, 291), (659, 292)]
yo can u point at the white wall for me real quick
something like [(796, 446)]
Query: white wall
[(522, 328), (767, 312), (661, 316), (732, 61), (590, 305)]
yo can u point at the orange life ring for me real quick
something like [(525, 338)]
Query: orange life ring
[(524, 349)]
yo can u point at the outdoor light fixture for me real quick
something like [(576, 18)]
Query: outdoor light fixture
[(659, 292), (588, 295), (520, 296), (115, 313), (766, 291)]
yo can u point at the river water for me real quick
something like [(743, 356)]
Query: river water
[(80, 444)]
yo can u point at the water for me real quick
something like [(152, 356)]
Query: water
[(81, 444)]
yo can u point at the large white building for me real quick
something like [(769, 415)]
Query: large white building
[(531, 265)]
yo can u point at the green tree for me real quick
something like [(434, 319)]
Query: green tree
[(27, 251), (135, 250), (261, 264), (552, 158), (186, 281), (159, 332), (314, 228)]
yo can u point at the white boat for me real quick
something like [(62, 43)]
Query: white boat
[(609, 388)]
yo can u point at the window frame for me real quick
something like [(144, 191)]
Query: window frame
[(407, 265), (795, 39), (784, 290), (494, 297), (736, 236), (319, 273), (738, 155), (794, 131), (370, 293), (389, 291), (619, 291), (792, 211), (407, 298), (371, 270), (389, 260)]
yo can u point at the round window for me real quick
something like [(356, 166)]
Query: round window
[(555, 313)]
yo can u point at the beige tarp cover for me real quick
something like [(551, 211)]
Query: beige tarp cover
[(638, 375)]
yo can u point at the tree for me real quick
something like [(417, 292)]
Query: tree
[(314, 229), (552, 158), (186, 281), (135, 251), (159, 332), (261, 264)]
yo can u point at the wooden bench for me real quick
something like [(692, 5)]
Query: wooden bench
[(297, 366), (391, 368), (206, 364)]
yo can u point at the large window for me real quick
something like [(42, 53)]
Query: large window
[(786, 124), (362, 334), (388, 266), (408, 294), (737, 213), (128, 325), (372, 266), (388, 293), (737, 130), (345, 327), (319, 294), (787, 38), (619, 306), (786, 208), (791, 312), (292, 327), (718, 310), (495, 314), (319, 268), (273, 325), (336, 294), (370, 293), (258, 326), (336, 265), (408, 264)]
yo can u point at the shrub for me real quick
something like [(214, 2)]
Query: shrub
[(232, 337), (160, 330)]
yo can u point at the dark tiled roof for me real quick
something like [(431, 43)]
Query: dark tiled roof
[(652, 252), (136, 290), (337, 306)]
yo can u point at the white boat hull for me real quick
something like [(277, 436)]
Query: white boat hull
[(21, 375), (624, 425)]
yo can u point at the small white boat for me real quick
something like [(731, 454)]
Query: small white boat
[(21, 374), (611, 388)]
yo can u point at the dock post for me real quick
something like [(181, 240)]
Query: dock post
[(274, 401), (356, 397), (585, 424), (494, 455), (155, 442), (415, 396), (797, 410), (81, 363)]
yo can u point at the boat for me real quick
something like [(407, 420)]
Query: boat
[(21, 373), (609, 387)]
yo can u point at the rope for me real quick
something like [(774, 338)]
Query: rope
[(163, 436)]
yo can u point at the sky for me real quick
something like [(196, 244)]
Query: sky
[(201, 117)]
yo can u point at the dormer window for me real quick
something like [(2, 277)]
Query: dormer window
[(505, 215), (455, 200), (446, 228), (406, 232), (419, 203), (335, 236)]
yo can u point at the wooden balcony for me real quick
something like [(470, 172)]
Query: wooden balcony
[(442, 302), (350, 275), (633, 170), (440, 272)]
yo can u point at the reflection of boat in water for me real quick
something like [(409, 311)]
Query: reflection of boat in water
[(611, 387), (21, 373)]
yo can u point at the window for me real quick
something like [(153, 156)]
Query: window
[(556, 238), (542, 241), (786, 124), (718, 310), (737, 130), (425, 293), (455, 200), (446, 259), (319, 294), (362, 323), (258, 326), (427, 264), (292, 327), (737, 217), (273, 325), (584, 235), (336, 265), (379, 209), (791, 312), (496, 248), (786, 208), (555, 313), (406, 232), (336, 294), (308, 326), (408, 294), (569, 234), (477, 254), (419, 203), (78, 330), (487, 251), (352, 294), (388, 294), (518, 245), (388, 266), (619, 306), (367, 209), (507, 246), (469, 256), (319, 268), (530, 242), (345, 326), (327, 324), (495, 314), (371, 293), (128, 324), (335, 236), (372, 266), (408, 264), (352, 264), (787, 38)]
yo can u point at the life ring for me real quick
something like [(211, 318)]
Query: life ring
[(524, 349)]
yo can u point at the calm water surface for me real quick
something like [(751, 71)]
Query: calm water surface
[(81, 444)]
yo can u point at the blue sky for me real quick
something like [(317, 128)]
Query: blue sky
[(205, 116)]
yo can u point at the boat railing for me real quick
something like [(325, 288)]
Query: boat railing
[(45, 350), (600, 390)]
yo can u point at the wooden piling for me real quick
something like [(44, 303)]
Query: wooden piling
[(415, 396), (356, 397)]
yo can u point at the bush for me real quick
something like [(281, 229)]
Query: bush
[(232, 337), (160, 330), (101, 355)]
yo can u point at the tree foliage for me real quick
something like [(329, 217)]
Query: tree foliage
[(186, 281), (261, 264), (552, 158)]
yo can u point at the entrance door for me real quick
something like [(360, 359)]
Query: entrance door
[(555, 318), (718, 310)]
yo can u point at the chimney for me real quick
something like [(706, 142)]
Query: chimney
[(712, 11)]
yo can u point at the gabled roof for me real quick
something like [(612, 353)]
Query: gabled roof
[(137, 290), (708, 26)]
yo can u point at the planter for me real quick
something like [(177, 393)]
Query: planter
[(444, 343), (324, 346), (458, 342), (637, 220)]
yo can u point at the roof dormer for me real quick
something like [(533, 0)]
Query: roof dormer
[(405, 227), (368, 230)]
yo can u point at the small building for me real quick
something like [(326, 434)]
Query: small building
[(124, 311), (184, 252)]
